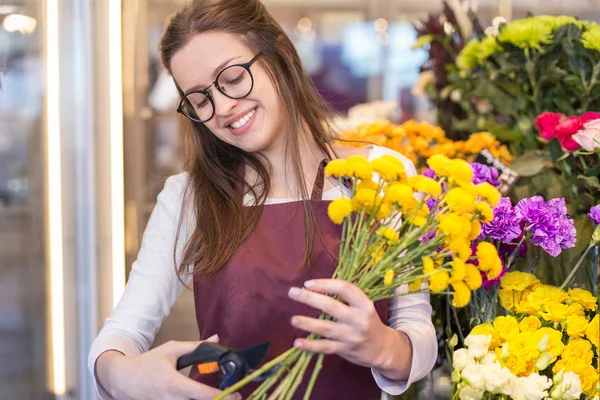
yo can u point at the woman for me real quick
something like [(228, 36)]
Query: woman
[(247, 224)]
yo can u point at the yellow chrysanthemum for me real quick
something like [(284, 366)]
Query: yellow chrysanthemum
[(484, 212), (364, 198), (416, 285), (453, 225), (555, 312), (488, 329), (545, 294), (462, 295), (367, 184), (439, 281), (428, 265), (576, 326), (384, 211), (387, 169), (583, 297), (459, 269), (494, 272), (488, 257), (591, 332), (518, 281), (338, 210), (460, 249), (460, 170), (473, 277), (530, 324), (468, 58), (388, 278), (440, 164), (337, 168), (526, 33), (475, 230), (389, 234), (401, 195), (506, 326), (425, 185), (488, 46), (591, 38), (489, 193), (459, 200)]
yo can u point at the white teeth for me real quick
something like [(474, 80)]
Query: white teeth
[(243, 121)]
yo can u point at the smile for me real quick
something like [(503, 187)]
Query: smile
[(243, 121)]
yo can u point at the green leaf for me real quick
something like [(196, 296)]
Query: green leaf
[(594, 171), (590, 180), (422, 41), (529, 164), (555, 149)]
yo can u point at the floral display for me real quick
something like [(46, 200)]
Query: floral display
[(420, 140), (391, 238)]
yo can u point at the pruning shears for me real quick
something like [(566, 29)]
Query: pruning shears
[(233, 365)]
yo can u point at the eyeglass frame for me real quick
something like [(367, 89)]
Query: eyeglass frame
[(215, 83)]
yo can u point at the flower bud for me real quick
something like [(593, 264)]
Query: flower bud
[(453, 341), (504, 354), (543, 344), (543, 361), (455, 376)]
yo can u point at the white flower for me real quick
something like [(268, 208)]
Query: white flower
[(569, 388), (589, 137), (468, 393), (478, 345), (473, 374), (460, 359), (532, 387), (498, 380), (489, 358)]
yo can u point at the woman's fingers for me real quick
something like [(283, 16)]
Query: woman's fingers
[(325, 328)]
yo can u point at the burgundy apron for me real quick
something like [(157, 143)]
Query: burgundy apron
[(246, 303)]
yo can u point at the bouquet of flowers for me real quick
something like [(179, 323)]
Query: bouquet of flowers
[(421, 140), (390, 237), (547, 345)]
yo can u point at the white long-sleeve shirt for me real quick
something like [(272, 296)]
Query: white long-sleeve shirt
[(153, 287)]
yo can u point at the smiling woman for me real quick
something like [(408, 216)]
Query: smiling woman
[(247, 222)]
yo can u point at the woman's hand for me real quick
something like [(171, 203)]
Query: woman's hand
[(151, 375), (358, 334)]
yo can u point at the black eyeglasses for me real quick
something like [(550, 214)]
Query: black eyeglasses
[(235, 82)]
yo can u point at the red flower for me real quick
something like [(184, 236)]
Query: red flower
[(568, 143), (546, 122), (565, 130), (588, 116)]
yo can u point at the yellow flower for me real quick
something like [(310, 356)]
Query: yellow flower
[(583, 297), (389, 234), (460, 249), (555, 312), (472, 277), (358, 167), (518, 281), (484, 211), (555, 344), (591, 38), (576, 326), (428, 266), (517, 365), (416, 285), (588, 376), (367, 184), (459, 270), (530, 324), (388, 278), (459, 200), (507, 326), (337, 168), (338, 210), (592, 331), (576, 309), (494, 272), (488, 257), (460, 170), (462, 295), (453, 226), (508, 298), (488, 329), (438, 282), (489, 45), (524, 307), (475, 230), (400, 194), (578, 349), (467, 59), (425, 185), (489, 193), (387, 169), (525, 345), (364, 198), (439, 164), (526, 33), (544, 294), (384, 211)]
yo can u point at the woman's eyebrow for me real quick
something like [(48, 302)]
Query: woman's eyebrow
[(218, 69)]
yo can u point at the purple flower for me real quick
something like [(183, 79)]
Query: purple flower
[(429, 173), (506, 225), (488, 284), (549, 223), (595, 214), (483, 173)]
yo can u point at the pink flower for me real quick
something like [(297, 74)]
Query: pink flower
[(565, 130), (588, 116), (589, 136), (546, 122)]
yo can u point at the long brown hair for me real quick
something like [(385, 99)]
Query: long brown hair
[(213, 192)]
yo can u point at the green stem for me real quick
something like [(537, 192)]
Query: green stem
[(313, 377), (303, 365), (255, 374), (572, 274)]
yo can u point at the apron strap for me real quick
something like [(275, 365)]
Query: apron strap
[(317, 192)]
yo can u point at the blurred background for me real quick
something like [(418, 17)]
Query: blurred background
[(89, 133)]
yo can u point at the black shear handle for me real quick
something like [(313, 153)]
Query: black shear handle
[(204, 353)]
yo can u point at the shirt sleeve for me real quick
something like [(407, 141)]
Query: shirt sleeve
[(153, 285), (409, 313)]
